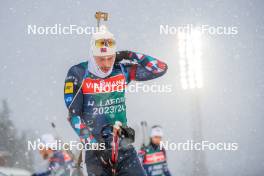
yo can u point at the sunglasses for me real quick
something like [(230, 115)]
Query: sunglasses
[(104, 43)]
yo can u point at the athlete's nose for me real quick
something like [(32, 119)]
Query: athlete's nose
[(107, 63)]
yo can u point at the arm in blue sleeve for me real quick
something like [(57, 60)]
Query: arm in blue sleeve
[(144, 68), (73, 97)]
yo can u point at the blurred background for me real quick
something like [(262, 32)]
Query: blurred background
[(227, 107)]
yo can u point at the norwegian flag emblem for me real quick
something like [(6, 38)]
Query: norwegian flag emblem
[(103, 50)]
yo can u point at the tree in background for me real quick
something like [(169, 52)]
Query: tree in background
[(12, 142)]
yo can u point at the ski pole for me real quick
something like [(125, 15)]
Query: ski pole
[(77, 161), (59, 137), (101, 15), (144, 131), (115, 145)]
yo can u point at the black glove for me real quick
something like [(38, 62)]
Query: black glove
[(121, 55), (128, 133), (107, 136)]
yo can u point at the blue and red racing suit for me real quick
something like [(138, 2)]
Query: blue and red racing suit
[(94, 102), (154, 160)]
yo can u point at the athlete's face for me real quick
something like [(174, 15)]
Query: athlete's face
[(45, 153), (105, 63), (156, 140)]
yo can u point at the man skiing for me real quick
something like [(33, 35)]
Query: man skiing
[(94, 93), (153, 157), (60, 163)]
